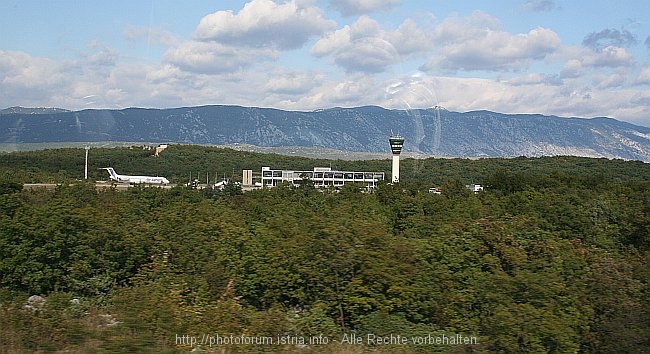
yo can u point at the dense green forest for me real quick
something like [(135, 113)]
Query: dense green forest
[(552, 256)]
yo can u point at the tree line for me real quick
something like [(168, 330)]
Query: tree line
[(551, 257)]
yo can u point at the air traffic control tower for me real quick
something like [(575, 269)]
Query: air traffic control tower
[(396, 144)]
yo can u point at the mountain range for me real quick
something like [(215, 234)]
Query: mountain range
[(432, 132)]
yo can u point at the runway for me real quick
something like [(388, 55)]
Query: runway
[(98, 184)]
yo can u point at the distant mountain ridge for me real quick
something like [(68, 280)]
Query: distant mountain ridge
[(433, 131), (38, 110)]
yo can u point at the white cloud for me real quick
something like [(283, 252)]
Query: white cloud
[(536, 79), (455, 29), (90, 80), (409, 39), (264, 23), (572, 68), (644, 77), (332, 42), (609, 57), (539, 5), (349, 92), (610, 81), (242, 57), (606, 68), (101, 55), (166, 73), (370, 54), (365, 47), (292, 82), (477, 43), (360, 7), (25, 79), (18, 68), (582, 62), (228, 42), (151, 35), (211, 58), (492, 50), (414, 91), (168, 86)]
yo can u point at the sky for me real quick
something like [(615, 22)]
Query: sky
[(569, 58)]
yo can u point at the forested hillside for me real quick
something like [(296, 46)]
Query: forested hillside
[(551, 257)]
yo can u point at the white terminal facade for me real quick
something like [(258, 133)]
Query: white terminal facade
[(325, 176), (320, 176)]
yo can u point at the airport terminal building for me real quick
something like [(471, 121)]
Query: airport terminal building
[(321, 176)]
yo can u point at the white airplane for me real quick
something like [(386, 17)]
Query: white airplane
[(134, 179)]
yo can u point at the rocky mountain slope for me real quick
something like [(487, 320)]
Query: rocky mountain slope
[(433, 131)]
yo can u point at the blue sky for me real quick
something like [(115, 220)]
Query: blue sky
[(567, 58)]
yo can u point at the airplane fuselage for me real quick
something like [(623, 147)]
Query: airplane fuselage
[(135, 179), (141, 179)]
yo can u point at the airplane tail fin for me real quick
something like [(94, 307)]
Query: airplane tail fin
[(111, 172)]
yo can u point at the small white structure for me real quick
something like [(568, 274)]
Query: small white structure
[(474, 187), (160, 149), (247, 178)]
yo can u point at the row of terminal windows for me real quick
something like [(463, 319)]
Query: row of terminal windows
[(271, 173), (320, 175), (270, 182), (347, 175)]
